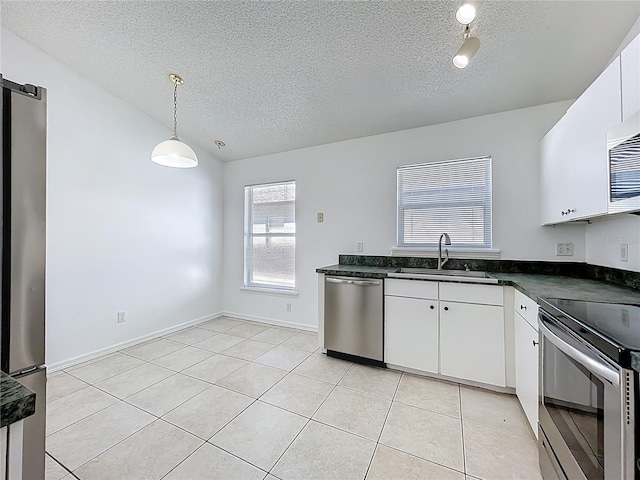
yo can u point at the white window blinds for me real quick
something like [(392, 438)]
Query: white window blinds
[(270, 235), (452, 197)]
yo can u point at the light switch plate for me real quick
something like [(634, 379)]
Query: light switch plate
[(624, 252), (320, 217)]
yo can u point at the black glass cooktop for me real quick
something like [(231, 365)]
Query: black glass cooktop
[(613, 328)]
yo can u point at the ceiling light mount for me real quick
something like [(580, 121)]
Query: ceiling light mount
[(175, 79), (219, 144), (173, 152)]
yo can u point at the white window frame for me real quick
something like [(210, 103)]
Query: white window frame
[(249, 235), (463, 250)]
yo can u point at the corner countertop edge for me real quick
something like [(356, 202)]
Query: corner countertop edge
[(17, 402)]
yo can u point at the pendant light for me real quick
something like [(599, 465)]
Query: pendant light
[(173, 152)]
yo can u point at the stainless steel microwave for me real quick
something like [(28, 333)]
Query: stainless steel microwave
[(623, 165)]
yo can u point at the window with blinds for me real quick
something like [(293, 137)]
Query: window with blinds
[(452, 197), (270, 235)]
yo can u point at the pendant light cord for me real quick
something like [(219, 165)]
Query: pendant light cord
[(175, 112)]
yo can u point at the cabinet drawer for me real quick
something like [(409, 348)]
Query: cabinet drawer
[(527, 308), (411, 288), (471, 293)]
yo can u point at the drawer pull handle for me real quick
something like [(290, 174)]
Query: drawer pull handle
[(446, 308), (522, 307), (432, 307), (535, 343)]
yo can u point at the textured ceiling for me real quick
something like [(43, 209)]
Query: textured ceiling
[(267, 77)]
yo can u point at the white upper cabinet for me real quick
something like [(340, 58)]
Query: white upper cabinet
[(573, 175), (630, 59)]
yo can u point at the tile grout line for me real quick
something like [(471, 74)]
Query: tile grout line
[(309, 419), (174, 373), (395, 391), (83, 418), (183, 460), (106, 378), (464, 455), (149, 413), (423, 459), (60, 463)]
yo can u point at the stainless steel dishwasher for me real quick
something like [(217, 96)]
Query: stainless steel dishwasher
[(353, 316)]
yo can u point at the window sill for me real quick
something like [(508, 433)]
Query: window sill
[(270, 291), (463, 253)]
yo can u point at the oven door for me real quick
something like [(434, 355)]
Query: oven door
[(581, 406)]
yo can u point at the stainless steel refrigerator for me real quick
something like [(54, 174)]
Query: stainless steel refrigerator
[(23, 193)]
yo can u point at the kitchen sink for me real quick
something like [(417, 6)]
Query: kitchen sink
[(434, 274)]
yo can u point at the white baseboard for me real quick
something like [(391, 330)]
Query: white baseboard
[(271, 321), (54, 367), (462, 381)]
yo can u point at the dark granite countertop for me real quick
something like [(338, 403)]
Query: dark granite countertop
[(570, 288), (357, 271), (531, 284), (534, 285), (16, 401)]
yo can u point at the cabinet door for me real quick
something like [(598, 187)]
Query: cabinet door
[(411, 333), (554, 194), (630, 59), (596, 111), (574, 153), (527, 370), (472, 342)]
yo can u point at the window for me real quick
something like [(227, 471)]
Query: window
[(452, 197), (270, 235)]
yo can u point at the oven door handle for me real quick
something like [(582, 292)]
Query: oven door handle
[(594, 366)]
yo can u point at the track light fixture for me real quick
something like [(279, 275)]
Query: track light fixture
[(465, 15), (468, 49)]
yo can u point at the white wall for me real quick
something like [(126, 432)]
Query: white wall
[(122, 232), (354, 184), (603, 239)]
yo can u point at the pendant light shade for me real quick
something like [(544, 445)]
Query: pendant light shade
[(173, 152)]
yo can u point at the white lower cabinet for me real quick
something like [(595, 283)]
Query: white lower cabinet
[(411, 333), (472, 342), (526, 340)]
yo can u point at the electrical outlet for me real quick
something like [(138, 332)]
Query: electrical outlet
[(564, 249), (360, 247), (288, 307), (121, 318), (624, 252), (320, 217), (568, 249)]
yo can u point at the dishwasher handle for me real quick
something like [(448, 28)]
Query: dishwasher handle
[(361, 283), (366, 283)]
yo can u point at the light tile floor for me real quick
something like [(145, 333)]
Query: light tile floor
[(230, 399)]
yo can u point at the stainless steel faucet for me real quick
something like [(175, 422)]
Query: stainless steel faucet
[(447, 241)]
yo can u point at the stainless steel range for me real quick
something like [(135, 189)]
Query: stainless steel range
[(588, 390)]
